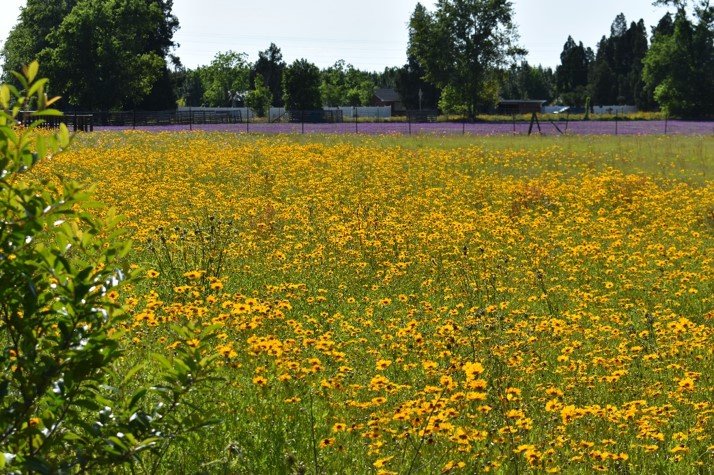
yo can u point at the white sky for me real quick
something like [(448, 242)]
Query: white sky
[(369, 34)]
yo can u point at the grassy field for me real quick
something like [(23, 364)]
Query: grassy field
[(400, 305)]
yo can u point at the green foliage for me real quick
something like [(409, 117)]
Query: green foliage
[(616, 73), (189, 86), (343, 85), (462, 43), (270, 65), (225, 79), (451, 103), (24, 42), (259, 98), (524, 81), (301, 86), (99, 55), (571, 75), (679, 67), (67, 403), (409, 82)]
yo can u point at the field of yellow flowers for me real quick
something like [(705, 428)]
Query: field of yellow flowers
[(426, 305)]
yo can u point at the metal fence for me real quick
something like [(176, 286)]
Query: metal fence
[(334, 122)]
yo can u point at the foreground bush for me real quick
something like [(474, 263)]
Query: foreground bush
[(67, 401)]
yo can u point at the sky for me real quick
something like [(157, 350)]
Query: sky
[(369, 34)]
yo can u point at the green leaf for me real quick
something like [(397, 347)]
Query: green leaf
[(138, 396), (64, 137), (130, 374), (21, 79), (118, 443), (5, 98), (47, 113), (41, 148), (147, 443), (71, 437), (37, 86), (87, 404), (163, 361), (31, 71)]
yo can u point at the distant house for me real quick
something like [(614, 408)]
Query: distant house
[(389, 97), (518, 106)]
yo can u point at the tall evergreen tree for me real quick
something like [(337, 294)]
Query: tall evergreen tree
[(615, 75), (572, 74)]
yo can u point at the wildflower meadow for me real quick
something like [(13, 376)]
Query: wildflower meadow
[(430, 304)]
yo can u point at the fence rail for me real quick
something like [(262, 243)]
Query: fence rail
[(334, 122), (75, 122)]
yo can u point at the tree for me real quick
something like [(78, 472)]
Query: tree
[(410, 83), (226, 79), (462, 44), (118, 46), (38, 18), (523, 81), (679, 67), (270, 66), (616, 73), (343, 84), (188, 85), (665, 26), (301, 86), (387, 78), (571, 75), (333, 84), (603, 81), (259, 98)]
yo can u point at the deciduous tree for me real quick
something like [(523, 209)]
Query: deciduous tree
[(461, 45), (108, 54), (679, 67), (259, 98), (301, 86), (270, 65), (226, 79)]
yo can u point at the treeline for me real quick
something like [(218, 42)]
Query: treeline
[(231, 80), (462, 58)]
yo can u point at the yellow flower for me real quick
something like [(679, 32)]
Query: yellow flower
[(472, 369), (194, 274), (382, 462), (686, 384), (327, 442), (679, 449), (383, 364)]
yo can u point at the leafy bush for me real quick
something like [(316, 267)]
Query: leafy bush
[(66, 403)]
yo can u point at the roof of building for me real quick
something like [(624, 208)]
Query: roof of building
[(387, 95), (521, 101)]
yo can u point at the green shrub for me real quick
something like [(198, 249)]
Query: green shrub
[(68, 403)]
